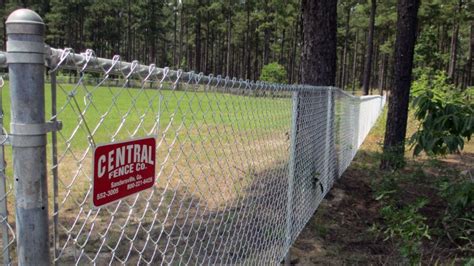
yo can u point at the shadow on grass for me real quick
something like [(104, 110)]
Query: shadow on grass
[(174, 226)]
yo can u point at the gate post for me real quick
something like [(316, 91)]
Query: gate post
[(25, 58)]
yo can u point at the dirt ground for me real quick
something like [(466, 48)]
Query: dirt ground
[(340, 233)]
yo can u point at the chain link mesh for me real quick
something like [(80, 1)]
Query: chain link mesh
[(7, 228), (241, 166)]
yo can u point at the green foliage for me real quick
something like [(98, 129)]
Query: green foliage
[(405, 220), (402, 222), (446, 115), (458, 195), (426, 52), (274, 73), (458, 220), (167, 33), (408, 225)]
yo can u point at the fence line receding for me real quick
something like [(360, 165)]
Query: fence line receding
[(240, 166)]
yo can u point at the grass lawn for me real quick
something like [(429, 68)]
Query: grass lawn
[(192, 126), (115, 113), (210, 148), (219, 156)]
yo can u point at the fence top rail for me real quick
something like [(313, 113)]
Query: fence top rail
[(369, 97), (87, 61)]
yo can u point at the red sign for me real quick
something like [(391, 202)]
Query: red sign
[(122, 169)]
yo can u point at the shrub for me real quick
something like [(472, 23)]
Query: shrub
[(402, 222), (458, 219), (408, 225), (446, 115), (274, 73)]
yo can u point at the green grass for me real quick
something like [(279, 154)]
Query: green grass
[(194, 128), (115, 113)]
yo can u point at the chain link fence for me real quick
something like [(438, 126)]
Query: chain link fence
[(240, 166)]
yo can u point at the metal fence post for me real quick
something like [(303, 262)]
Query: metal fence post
[(291, 176), (327, 145), (25, 57)]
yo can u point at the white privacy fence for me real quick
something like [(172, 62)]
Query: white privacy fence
[(178, 168)]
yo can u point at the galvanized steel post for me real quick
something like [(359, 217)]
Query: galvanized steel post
[(25, 59), (328, 140), (291, 175)]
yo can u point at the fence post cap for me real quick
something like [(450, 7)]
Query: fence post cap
[(24, 21), (24, 15)]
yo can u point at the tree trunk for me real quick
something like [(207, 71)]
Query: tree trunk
[(454, 44), (292, 52), (445, 46), (298, 33), (181, 30), (360, 66), (318, 61), (246, 45), (189, 52), (229, 37), (129, 32), (344, 54), (469, 80), (266, 46), (256, 65), (210, 57), (370, 47), (175, 38), (282, 48), (318, 68), (453, 53), (152, 35), (249, 55), (354, 63), (208, 40), (218, 52), (197, 53), (291, 62), (374, 72), (394, 142), (266, 36)]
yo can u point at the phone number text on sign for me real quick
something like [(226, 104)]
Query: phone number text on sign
[(122, 169)]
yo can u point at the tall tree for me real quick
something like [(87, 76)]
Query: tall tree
[(229, 36), (266, 33), (454, 42), (370, 48), (239, 37), (318, 67), (394, 142), (469, 80), (345, 49), (354, 62), (318, 62), (197, 31)]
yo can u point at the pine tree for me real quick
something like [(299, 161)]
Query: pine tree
[(394, 141)]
